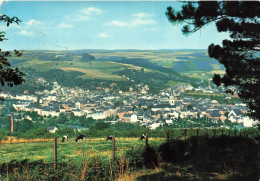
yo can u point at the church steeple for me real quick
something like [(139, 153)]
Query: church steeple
[(171, 99)]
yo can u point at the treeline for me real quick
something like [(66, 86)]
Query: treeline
[(221, 99), (60, 57), (156, 81), (127, 130)]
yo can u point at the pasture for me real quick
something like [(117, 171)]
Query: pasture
[(34, 151), (197, 158)]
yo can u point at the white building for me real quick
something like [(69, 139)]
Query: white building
[(133, 118)]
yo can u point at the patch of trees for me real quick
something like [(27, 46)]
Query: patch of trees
[(53, 56), (220, 99), (9, 76), (156, 81), (142, 63), (87, 58), (240, 53)]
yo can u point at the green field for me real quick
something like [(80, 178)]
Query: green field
[(71, 150), (196, 158)]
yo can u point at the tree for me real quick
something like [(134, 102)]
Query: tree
[(62, 118), (239, 54), (100, 126), (9, 76)]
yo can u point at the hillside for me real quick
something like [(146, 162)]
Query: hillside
[(93, 68)]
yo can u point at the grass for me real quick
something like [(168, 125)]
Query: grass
[(93, 74), (197, 158), (44, 150), (216, 66)]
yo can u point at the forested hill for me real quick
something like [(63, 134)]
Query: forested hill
[(126, 68)]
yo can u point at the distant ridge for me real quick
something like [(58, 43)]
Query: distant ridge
[(116, 50)]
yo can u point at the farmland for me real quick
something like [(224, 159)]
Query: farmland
[(197, 158), (89, 69), (91, 146)]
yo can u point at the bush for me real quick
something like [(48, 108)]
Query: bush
[(3, 134), (135, 157), (37, 133), (210, 154), (150, 158), (173, 151)]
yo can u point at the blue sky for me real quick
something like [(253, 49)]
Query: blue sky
[(99, 25)]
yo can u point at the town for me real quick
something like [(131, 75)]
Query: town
[(171, 107)]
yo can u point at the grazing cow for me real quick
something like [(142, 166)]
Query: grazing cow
[(80, 137), (65, 138), (110, 137), (143, 137)]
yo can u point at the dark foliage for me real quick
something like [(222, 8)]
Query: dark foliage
[(150, 158), (9, 76), (240, 54), (173, 151), (220, 153)]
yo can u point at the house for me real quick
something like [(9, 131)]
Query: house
[(97, 115), (62, 108), (215, 114), (74, 127), (156, 124), (52, 129), (166, 107), (77, 112), (133, 118), (246, 121), (169, 121), (234, 115)]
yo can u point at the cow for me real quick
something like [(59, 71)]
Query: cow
[(65, 138), (110, 137), (143, 137), (80, 137)]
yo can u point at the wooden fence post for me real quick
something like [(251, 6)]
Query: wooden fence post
[(222, 132), (55, 152), (214, 133), (113, 148), (185, 132), (235, 132), (146, 141), (197, 131), (229, 133), (168, 135), (206, 132)]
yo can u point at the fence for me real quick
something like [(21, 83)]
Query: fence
[(170, 134)]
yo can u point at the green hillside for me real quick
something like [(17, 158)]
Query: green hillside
[(93, 68)]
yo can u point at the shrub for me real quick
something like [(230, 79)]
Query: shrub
[(3, 134), (135, 157), (173, 151), (150, 158)]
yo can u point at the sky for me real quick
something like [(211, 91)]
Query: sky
[(70, 25)]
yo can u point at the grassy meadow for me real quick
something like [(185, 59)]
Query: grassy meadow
[(72, 150), (197, 158), (182, 61)]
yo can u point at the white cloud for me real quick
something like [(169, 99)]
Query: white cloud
[(63, 25), (85, 14), (151, 29), (33, 22), (103, 35), (117, 23), (91, 10), (142, 15), (82, 18), (26, 33), (137, 19), (143, 22)]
